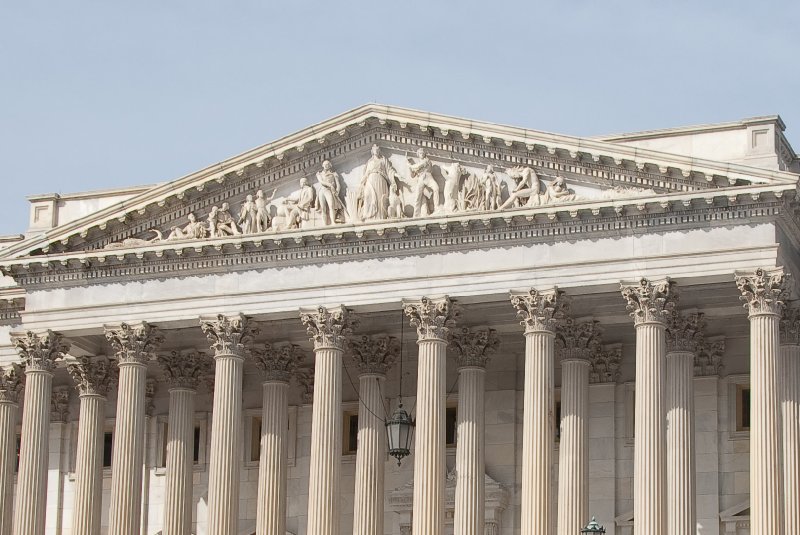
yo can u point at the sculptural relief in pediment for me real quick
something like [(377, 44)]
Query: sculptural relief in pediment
[(386, 185)]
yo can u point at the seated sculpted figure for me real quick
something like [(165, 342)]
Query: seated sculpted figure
[(329, 202), (221, 223), (558, 191), (297, 207), (193, 230), (527, 187), (425, 186)]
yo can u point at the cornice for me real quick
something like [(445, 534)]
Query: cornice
[(640, 166), (587, 220)]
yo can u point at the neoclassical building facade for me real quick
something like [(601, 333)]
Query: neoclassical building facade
[(579, 328)]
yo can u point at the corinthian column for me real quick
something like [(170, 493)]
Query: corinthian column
[(93, 378), (229, 337), (790, 351), (576, 344), (433, 319), (39, 353), (684, 334), (373, 356), (182, 372), (279, 364), (473, 348), (764, 292), (328, 329), (134, 346), (541, 313), (11, 384), (650, 304)]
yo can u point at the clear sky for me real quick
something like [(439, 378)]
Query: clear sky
[(99, 94)]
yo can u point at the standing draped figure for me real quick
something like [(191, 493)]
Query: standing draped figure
[(379, 175)]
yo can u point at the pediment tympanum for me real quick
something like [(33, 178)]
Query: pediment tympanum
[(380, 174)]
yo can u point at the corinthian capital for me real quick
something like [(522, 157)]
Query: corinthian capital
[(134, 343), (229, 335), (650, 301), (576, 340), (540, 310), (375, 354), (305, 376), (763, 290), (433, 318), (790, 326), (328, 328), (92, 375), (708, 360), (59, 404), (685, 331), (605, 363), (12, 381), (184, 369), (278, 362), (39, 352), (474, 348)]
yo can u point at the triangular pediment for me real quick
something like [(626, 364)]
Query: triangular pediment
[(477, 168)]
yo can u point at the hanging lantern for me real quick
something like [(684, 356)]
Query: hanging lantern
[(593, 527), (400, 431)]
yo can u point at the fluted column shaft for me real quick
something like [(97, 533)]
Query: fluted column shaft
[(89, 465), (326, 443), (537, 433), (766, 500), (31, 493), (791, 433), (180, 448), (573, 465), (649, 450), (8, 454), (470, 461), (370, 457), (226, 429), (429, 461), (271, 515), (681, 514), (128, 453)]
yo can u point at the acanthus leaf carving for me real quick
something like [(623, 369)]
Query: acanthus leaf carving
[(764, 291), (605, 364), (185, 369), (39, 352), (432, 317), (328, 328), (684, 332), (790, 326), (708, 359), (93, 375), (59, 404), (650, 301), (578, 340), (375, 354), (474, 348), (278, 362), (12, 383), (305, 377), (540, 311), (134, 343), (229, 335)]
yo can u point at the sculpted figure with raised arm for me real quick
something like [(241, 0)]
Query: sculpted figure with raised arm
[(263, 218)]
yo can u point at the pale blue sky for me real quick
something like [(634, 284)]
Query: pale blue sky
[(99, 94)]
